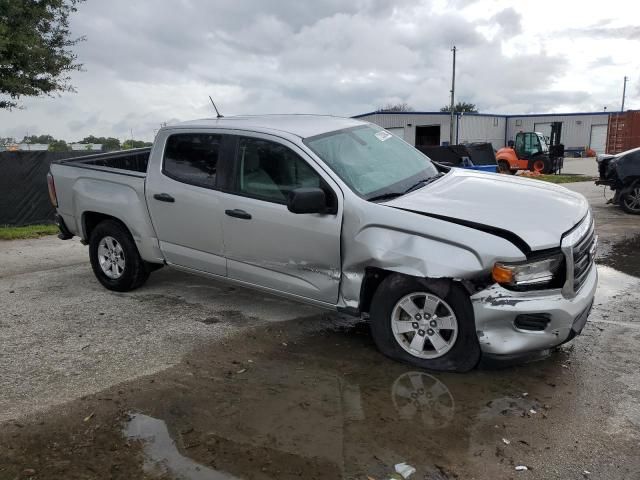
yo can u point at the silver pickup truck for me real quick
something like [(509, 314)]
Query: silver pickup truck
[(447, 264)]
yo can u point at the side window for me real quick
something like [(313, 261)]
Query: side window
[(192, 158), (270, 171), (531, 143)]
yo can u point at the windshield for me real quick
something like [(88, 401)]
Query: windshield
[(544, 142), (371, 161)]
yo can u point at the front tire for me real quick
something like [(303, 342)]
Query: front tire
[(412, 323), (114, 257), (630, 202), (503, 167), (540, 165)]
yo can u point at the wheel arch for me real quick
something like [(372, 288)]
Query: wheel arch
[(374, 276), (91, 219), (148, 247)]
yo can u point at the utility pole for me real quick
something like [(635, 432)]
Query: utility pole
[(624, 92), (453, 93)]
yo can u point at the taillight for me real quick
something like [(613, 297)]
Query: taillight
[(52, 190)]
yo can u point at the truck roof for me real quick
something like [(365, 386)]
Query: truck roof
[(302, 126)]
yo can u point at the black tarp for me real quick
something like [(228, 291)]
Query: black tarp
[(478, 153), (24, 198)]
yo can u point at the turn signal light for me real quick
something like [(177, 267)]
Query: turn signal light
[(501, 274)]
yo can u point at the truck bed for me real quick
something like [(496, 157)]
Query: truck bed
[(135, 160)]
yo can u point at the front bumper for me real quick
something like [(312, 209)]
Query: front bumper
[(496, 309)]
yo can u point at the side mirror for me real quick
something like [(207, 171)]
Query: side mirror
[(307, 200)]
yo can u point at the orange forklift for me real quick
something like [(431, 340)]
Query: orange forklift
[(533, 151)]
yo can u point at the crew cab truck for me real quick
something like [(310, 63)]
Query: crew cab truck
[(341, 214)]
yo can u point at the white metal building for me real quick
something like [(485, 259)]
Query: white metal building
[(579, 130), (91, 147)]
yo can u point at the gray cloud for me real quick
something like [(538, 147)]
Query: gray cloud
[(148, 63), (629, 32), (509, 21)]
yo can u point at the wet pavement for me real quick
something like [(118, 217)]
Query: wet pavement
[(311, 397)]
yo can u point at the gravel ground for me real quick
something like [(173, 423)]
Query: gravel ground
[(64, 335)]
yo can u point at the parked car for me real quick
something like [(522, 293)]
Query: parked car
[(341, 214), (621, 173)]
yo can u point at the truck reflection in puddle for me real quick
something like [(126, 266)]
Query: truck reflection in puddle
[(161, 453)]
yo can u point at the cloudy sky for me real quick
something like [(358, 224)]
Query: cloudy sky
[(149, 62)]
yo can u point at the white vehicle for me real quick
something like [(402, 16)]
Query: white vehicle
[(343, 215)]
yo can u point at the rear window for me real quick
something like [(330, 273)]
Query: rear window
[(192, 158)]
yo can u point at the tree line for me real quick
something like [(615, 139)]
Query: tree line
[(460, 107), (56, 145)]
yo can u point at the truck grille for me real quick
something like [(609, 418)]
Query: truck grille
[(578, 247), (583, 259)]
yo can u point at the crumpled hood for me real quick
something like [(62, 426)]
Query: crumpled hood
[(538, 212)]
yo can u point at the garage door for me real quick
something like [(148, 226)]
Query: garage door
[(397, 131), (598, 138)]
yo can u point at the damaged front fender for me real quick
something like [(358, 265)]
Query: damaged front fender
[(413, 245)]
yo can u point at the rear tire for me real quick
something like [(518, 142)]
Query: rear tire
[(444, 327), (115, 258)]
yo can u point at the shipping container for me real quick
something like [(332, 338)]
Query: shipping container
[(624, 131)]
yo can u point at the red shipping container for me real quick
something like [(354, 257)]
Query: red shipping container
[(624, 131)]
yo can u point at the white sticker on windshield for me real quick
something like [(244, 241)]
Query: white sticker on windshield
[(383, 135)]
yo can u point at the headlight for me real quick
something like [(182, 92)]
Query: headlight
[(534, 273)]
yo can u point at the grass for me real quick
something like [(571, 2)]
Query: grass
[(29, 231), (564, 178)]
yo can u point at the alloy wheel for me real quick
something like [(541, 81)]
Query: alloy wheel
[(111, 257), (424, 325)]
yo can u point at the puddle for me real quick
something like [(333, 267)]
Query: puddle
[(161, 455), (624, 256)]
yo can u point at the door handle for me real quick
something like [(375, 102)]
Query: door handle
[(164, 197), (237, 213)]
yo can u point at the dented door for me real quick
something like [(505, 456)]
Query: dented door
[(266, 244)]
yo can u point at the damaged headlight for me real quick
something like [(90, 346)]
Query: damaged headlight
[(538, 273)]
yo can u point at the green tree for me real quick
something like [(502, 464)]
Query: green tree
[(397, 107), (128, 144), (461, 107), (108, 143), (38, 139), (35, 49), (58, 146)]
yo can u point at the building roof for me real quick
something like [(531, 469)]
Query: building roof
[(486, 114), (302, 126)]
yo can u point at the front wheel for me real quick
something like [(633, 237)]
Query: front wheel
[(114, 257), (540, 165), (503, 167), (412, 323), (630, 202)]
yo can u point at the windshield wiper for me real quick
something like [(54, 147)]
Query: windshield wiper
[(385, 196), (420, 184), (423, 182)]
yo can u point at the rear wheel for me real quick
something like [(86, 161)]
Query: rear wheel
[(630, 202), (114, 257), (412, 323)]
